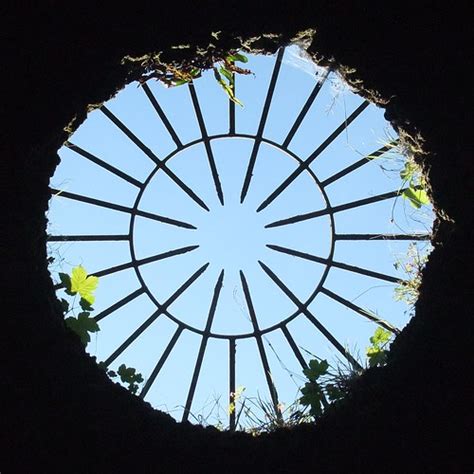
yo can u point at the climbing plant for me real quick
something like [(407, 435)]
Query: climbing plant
[(79, 283)]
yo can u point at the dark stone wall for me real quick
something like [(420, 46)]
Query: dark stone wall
[(61, 413)]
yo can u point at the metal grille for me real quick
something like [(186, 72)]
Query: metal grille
[(330, 211)]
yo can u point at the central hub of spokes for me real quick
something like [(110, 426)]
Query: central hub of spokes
[(232, 236)]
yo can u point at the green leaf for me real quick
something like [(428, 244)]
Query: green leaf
[(376, 357), (66, 281), (381, 336), (237, 57), (230, 93), (129, 376), (85, 305), (180, 82), (235, 100), (416, 196), (316, 410), (312, 397), (82, 326), (334, 393), (408, 172), (316, 369), (227, 74), (83, 284)]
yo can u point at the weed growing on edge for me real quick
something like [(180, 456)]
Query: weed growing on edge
[(327, 385), (412, 264), (223, 66)]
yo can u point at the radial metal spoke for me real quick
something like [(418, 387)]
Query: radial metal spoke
[(151, 379), (162, 309), (207, 143), (232, 108), (137, 263), (305, 109), (202, 348), (87, 238), (332, 210), (305, 164), (367, 159), (232, 400), (261, 348), (165, 220), (382, 236), (304, 309), (300, 358), (103, 164), (159, 163), (119, 304), (363, 312), (162, 115), (343, 266), (294, 347), (118, 207), (261, 127)]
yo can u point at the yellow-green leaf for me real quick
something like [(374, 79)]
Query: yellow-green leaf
[(381, 336), (416, 196), (83, 284)]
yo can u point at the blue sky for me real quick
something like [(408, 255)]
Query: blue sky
[(233, 237)]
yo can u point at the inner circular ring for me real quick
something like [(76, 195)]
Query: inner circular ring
[(283, 321)]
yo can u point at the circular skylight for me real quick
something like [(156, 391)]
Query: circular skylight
[(232, 243)]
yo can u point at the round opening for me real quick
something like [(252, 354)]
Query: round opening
[(238, 231)]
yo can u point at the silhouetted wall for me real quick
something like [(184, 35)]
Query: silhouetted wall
[(61, 413)]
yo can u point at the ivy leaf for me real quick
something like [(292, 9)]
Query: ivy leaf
[(334, 393), (376, 356), (380, 338), (85, 305), (130, 376), (66, 281), (82, 326), (316, 410), (316, 369), (312, 397), (416, 196), (83, 284)]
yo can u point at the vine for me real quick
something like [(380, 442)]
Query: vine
[(84, 285)]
